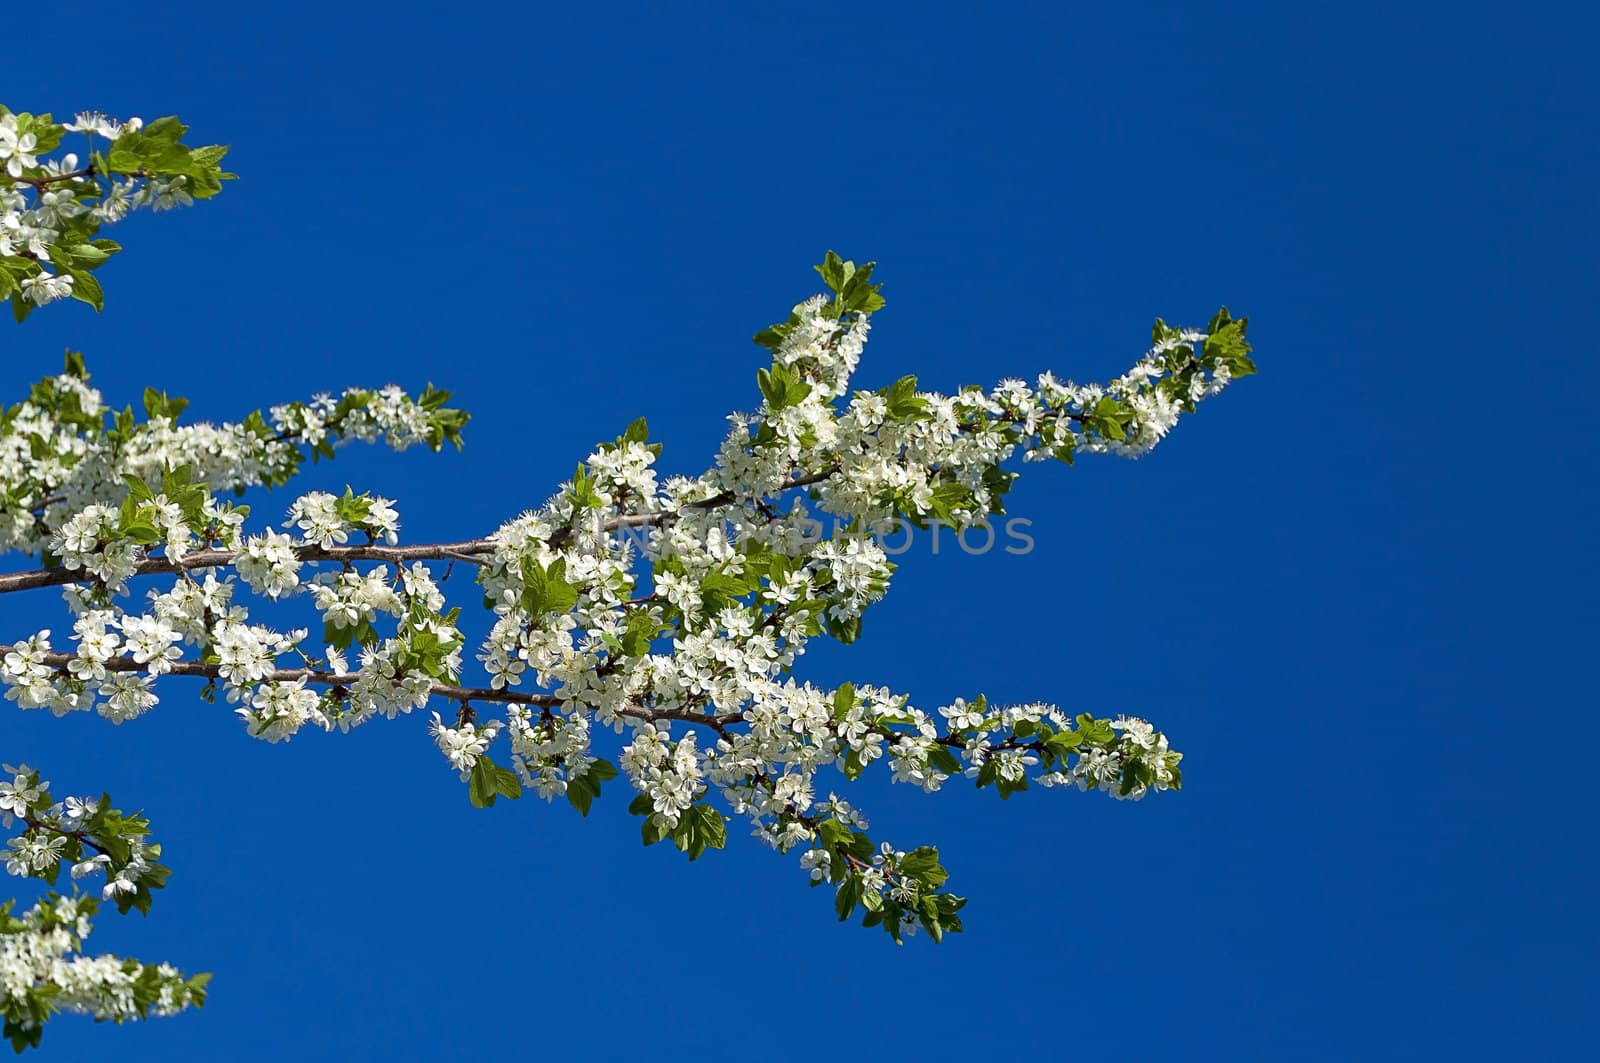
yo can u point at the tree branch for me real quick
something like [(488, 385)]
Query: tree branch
[(81, 835), (469, 550), (41, 183), (464, 695)]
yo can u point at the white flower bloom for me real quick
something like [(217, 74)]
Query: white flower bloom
[(463, 745), (269, 564), (316, 515), (43, 288), (98, 124), (16, 149), (818, 862), (127, 695), (152, 642), (165, 193), (18, 796), (123, 883)]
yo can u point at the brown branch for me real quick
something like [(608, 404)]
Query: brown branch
[(199, 559), (344, 680), (39, 184), (639, 520), (82, 836), (395, 555), (727, 497)]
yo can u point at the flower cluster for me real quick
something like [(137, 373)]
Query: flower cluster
[(671, 611), (66, 460), (41, 966), (51, 209), (43, 970), (82, 833)]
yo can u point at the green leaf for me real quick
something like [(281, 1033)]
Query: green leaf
[(902, 399), (1110, 419), (949, 497), (844, 902), (85, 289), (835, 272), (844, 699), (846, 630), (583, 789), (1064, 744), (700, 827), (87, 256), (482, 786), (922, 864), (546, 590), (160, 404), (1225, 344), (506, 783), (853, 766), (782, 387), (858, 294), (1093, 732), (584, 495), (832, 834), (772, 337), (944, 760), (581, 793), (860, 846), (138, 490), (210, 155), (639, 632)]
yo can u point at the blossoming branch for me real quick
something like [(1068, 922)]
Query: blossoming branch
[(641, 626)]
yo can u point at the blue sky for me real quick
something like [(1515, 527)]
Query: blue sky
[(1356, 590)]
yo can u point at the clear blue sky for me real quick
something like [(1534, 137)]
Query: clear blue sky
[(1357, 589)]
